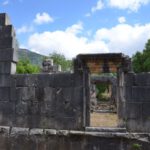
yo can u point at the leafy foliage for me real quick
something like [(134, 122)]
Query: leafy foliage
[(136, 146), (141, 60), (101, 89), (60, 59), (24, 66)]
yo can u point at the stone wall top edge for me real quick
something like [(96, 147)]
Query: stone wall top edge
[(142, 73), (41, 75)]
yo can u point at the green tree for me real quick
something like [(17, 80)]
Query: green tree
[(101, 88), (141, 60), (60, 59), (24, 66)]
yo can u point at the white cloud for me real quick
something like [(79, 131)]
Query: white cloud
[(98, 6), (121, 19), (75, 29), (6, 2), (123, 38), (25, 29), (42, 18), (132, 5), (67, 42)]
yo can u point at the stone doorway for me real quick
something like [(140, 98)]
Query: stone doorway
[(100, 66), (103, 101)]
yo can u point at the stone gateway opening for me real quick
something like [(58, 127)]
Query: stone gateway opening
[(103, 71)]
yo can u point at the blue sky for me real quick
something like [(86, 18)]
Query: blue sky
[(80, 26)]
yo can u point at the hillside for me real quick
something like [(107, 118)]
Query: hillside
[(32, 56)]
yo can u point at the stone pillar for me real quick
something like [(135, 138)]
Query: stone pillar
[(8, 50)]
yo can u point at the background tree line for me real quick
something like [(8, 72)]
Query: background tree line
[(140, 62), (25, 66)]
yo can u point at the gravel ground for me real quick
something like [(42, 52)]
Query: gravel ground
[(104, 119)]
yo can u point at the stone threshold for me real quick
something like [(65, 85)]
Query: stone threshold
[(16, 131), (106, 129)]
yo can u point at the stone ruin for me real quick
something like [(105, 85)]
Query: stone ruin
[(52, 111), (50, 67)]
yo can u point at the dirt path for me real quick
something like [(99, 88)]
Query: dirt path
[(104, 120)]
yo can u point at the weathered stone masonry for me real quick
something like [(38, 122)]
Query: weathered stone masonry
[(137, 102), (51, 111), (40, 100)]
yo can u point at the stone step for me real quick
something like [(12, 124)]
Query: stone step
[(101, 129)]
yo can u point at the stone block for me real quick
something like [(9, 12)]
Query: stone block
[(22, 108), (69, 102), (45, 80), (4, 94), (142, 79), (7, 68), (24, 80), (4, 130), (4, 19), (8, 55), (39, 94), (128, 93), (67, 123), (49, 94), (7, 108), (26, 93), (28, 108), (59, 80), (141, 93), (129, 79), (48, 109), (36, 132), (5, 80), (8, 42), (21, 121), (50, 132), (16, 131), (68, 80), (14, 95), (7, 119), (22, 94), (134, 110), (146, 111), (7, 31), (121, 110), (134, 125)]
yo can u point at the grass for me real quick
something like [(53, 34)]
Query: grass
[(104, 120)]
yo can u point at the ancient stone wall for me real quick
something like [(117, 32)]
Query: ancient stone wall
[(43, 101), (134, 101), (39, 100), (50, 139), (137, 96)]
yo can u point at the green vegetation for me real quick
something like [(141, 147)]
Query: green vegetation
[(59, 59), (34, 58), (141, 60), (136, 146), (101, 90), (30, 62), (24, 66)]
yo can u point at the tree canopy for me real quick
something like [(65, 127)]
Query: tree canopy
[(141, 60), (60, 59), (24, 66)]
